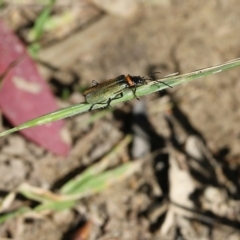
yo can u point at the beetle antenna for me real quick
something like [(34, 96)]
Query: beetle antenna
[(151, 78), (164, 83)]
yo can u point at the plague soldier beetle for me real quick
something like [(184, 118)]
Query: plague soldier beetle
[(105, 92)]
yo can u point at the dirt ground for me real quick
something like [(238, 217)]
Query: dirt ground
[(186, 138)]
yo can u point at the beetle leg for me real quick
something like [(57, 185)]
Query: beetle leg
[(134, 92), (120, 95), (164, 83), (90, 109)]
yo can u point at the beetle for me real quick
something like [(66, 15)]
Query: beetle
[(105, 92)]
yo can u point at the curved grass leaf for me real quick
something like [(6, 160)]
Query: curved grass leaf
[(153, 86)]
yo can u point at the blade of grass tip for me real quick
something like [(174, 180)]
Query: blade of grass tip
[(50, 117), (203, 72), (96, 168), (155, 86), (38, 194)]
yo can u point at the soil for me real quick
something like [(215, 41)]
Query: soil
[(186, 138)]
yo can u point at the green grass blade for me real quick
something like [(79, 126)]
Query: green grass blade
[(38, 194), (103, 180), (37, 30), (74, 184), (55, 206), (6, 216), (152, 87)]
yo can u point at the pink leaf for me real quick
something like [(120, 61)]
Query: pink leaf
[(25, 95)]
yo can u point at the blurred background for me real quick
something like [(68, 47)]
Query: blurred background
[(181, 146)]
